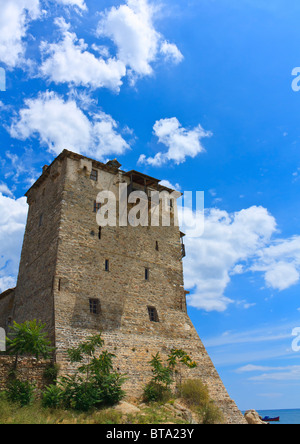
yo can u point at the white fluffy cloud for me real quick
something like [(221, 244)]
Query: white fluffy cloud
[(234, 244), (69, 61), (281, 263), (12, 225), (62, 125), (228, 239), (131, 28), (14, 20), (171, 52), (181, 142)]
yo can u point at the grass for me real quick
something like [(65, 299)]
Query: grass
[(193, 394), (196, 396), (155, 414), (11, 413)]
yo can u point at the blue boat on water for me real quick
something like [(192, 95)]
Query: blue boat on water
[(268, 419)]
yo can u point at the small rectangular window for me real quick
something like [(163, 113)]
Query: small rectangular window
[(41, 220), (147, 274), (107, 265), (157, 247), (153, 316), (94, 306), (94, 175)]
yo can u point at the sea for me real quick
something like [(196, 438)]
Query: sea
[(286, 416)]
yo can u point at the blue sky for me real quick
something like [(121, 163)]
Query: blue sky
[(196, 93)]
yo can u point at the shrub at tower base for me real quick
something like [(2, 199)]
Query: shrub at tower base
[(95, 384)]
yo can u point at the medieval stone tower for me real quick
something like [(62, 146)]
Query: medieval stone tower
[(126, 282)]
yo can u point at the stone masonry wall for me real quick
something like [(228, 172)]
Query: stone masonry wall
[(34, 295), (29, 369), (123, 292), (63, 267), (6, 308)]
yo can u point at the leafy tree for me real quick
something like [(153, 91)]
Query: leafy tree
[(161, 374), (158, 389), (96, 383), (176, 360), (29, 338)]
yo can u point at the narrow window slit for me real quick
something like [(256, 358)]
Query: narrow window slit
[(153, 316)]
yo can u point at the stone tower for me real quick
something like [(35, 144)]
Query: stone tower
[(126, 282)]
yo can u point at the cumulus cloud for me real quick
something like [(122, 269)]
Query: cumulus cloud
[(282, 276), (228, 240), (171, 52), (234, 244), (181, 142), (14, 21), (69, 61), (62, 125), (12, 225), (281, 263), (131, 28)]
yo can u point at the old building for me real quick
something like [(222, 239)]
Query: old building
[(127, 282)]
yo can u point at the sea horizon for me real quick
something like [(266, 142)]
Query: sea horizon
[(287, 416)]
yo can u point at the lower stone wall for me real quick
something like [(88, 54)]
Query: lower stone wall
[(28, 369), (132, 358), (133, 353)]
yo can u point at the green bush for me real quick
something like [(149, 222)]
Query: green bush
[(96, 384), (109, 387), (196, 395), (78, 394), (211, 414), (154, 392), (52, 397), (20, 392), (29, 338), (159, 388), (98, 391), (51, 373)]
